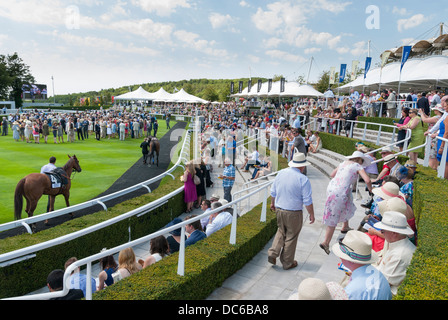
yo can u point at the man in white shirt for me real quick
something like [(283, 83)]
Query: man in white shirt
[(398, 250), (218, 220)]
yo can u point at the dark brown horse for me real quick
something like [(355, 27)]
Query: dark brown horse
[(34, 185), (154, 149)]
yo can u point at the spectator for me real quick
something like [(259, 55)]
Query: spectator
[(431, 121), (218, 220), (174, 238), (55, 282), (108, 266), (127, 264), (423, 103), (315, 142), (417, 135), (194, 229), (228, 179), (339, 206), (356, 254), (402, 123), (290, 191), (398, 250), (159, 248), (316, 289), (254, 158), (392, 104), (189, 186), (205, 206), (79, 280)]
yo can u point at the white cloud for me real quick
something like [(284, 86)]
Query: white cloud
[(218, 21), (287, 23), (312, 50), (400, 11), (193, 41), (359, 48), (3, 38), (244, 4), (161, 7), (286, 56), (412, 22)]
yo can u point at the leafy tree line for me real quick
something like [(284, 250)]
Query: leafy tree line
[(14, 73)]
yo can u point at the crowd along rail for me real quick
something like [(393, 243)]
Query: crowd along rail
[(91, 259), (26, 222)]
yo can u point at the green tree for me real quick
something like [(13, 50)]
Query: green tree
[(14, 73)]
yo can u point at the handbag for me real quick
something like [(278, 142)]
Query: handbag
[(196, 180)]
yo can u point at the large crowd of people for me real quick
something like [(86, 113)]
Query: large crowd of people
[(385, 240)]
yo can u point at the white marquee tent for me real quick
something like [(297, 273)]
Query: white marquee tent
[(418, 73), (160, 96), (292, 89)]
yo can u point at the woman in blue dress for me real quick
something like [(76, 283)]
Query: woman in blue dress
[(15, 131), (109, 266)]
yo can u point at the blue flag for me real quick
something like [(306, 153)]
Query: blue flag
[(342, 73), (405, 56), (368, 64)]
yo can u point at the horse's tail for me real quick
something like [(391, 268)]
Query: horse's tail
[(18, 199)]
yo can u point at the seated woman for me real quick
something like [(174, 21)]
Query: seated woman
[(159, 249), (263, 170), (315, 142), (108, 267), (127, 264)]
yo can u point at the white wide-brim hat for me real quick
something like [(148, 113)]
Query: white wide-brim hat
[(358, 154), (388, 191), (355, 247), (299, 160), (393, 204), (396, 222)]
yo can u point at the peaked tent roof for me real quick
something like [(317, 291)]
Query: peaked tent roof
[(183, 96), (292, 89), (139, 94), (418, 73)]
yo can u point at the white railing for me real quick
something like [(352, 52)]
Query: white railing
[(442, 164), (181, 260), (26, 222)]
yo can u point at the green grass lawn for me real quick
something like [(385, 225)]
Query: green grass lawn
[(102, 163)]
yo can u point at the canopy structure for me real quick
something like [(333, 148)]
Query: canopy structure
[(292, 89), (183, 96), (160, 96), (417, 74), (139, 94)]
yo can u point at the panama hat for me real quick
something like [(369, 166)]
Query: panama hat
[(299, 160), (316, 289), (355, 247), (396, 222), (393, 204), (358, 154), (388, 190)]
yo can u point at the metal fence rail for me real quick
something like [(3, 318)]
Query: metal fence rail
[(26, 222)]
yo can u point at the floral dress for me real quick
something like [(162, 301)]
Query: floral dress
[(339, 206)]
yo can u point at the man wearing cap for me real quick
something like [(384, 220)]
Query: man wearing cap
[(290, 191), (398, 250), (366, 281)]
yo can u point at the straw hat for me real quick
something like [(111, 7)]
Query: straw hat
[(358, 154), (355, 247), (396, 222), (390, 157), (313, 289), (393, 204), (410, 164), (299, 160), (388, 191)]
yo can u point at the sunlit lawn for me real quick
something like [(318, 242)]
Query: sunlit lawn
[(102, 163)]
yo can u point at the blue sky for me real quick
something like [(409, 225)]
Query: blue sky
[(93, 44)]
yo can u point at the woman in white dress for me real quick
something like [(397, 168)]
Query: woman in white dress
[(339, 206), (159, 248)]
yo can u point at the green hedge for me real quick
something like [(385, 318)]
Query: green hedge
[(207, 264), (427, 276)]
